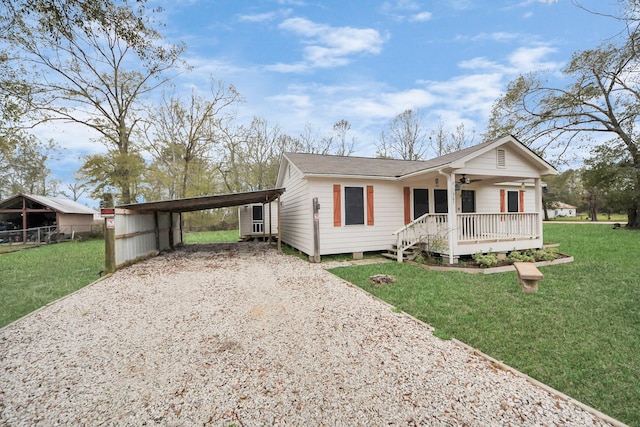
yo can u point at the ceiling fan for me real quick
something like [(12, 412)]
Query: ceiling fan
[(464, 179)]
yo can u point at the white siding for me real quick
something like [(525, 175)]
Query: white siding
[(388, 217), (515, 165), (296, 221), (488, 197)]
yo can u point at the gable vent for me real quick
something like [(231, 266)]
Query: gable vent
[(501, 158)]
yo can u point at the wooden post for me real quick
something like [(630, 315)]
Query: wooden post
[(25, 223), (157, 225), (316, 231), (270, 223), (279, 237), (109, 245)]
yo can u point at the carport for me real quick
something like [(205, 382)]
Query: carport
[(139, 230)]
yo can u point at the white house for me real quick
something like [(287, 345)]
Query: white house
[(485, 198), (258, 220), (559, 209)]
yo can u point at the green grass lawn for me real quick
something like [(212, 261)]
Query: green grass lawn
[(579, 334), (34, 277), (211, 236)]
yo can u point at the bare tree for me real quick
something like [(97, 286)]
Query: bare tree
[(184, 132), (91, 63), (405, 137)]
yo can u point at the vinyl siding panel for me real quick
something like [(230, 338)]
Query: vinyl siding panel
[(488, 198), (387, 211), (296, 216), (515, 165)]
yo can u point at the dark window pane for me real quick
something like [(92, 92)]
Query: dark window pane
[(440, 201), (468, 201), (257, 213), (420, 202), (512, 201), (353, 205)]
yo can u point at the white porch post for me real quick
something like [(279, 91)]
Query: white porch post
[(451, 214), (538, 193)]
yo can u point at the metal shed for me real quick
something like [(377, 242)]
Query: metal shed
[(26, 216), (140, 230)]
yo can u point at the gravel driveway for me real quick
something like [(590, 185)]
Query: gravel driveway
[(237, 334)]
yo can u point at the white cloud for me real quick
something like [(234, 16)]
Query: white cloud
[(480, 63), (299, 102), (329, 46), (421, 17), (261, 17), (405, 10), (497, 36), (528, 59)]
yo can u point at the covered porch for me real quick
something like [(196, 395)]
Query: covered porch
[(482, 214)]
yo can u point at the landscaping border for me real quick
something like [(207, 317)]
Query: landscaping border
[(491, 270)]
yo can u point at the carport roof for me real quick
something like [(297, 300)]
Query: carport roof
[(207, 202)]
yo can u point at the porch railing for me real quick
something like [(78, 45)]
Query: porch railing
[(430, 229), (433, 230), (477, 227)]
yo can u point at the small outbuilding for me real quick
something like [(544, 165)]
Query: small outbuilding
[(257, 221), (560, 210), (27, 217)]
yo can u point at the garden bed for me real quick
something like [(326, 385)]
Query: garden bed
[(473, 267)]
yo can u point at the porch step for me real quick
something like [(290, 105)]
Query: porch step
[(408, 255)]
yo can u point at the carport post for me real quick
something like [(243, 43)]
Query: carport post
[(279, 239), (316, 231), (109, 245)]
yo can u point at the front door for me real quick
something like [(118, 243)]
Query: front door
[(440, 201), (257, 221), (468, 206), (468, 201)]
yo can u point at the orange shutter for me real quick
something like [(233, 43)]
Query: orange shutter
[(503, 207), (521, 205), (369, 204), (337, 206), (407, 205)]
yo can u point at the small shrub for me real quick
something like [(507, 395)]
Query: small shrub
[(486, 260), (517, 256), (546, 254)]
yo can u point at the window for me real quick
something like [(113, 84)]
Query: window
[(512, 201), (440, 201), (257, 213), (468, 201), (420, 202), (353, 206)]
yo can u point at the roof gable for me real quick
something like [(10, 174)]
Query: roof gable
[(329, 165)]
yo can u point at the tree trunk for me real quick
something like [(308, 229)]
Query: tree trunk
[(633, 215)]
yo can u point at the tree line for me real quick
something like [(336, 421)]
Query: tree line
[(101, 64)]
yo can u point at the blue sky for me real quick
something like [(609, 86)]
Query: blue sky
[(312, 62)]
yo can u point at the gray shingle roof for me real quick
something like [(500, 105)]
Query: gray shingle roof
[(320, 164)]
